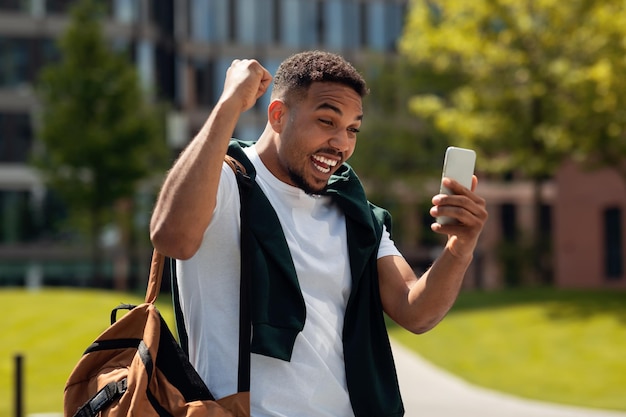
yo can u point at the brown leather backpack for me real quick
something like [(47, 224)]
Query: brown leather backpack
[(137, 368)]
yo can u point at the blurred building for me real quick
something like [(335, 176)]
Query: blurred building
[(590, 234), (181, 50)]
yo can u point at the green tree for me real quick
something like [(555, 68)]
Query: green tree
[(541, 81), (100, 135), (399, 156), (393, 143)]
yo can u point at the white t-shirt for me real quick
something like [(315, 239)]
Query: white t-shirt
[(313, 383)]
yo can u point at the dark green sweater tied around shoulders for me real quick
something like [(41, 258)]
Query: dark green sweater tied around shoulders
[(277, 306)]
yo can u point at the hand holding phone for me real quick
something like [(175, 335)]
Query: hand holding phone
[(458, 165)]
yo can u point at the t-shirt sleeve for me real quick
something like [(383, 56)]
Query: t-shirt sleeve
[(227, 198), (387, 246)]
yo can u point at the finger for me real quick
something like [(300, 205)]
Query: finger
[(466, 226), (464, 208), (266, 80), (457, 189), (454, 213), (454, 185)]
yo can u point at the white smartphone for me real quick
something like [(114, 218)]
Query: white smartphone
[(458, 164)]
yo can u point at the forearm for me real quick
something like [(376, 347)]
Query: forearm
[(419, 304), (431, 297), (187, 199)]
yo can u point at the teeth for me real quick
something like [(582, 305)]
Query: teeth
[(327, 161)]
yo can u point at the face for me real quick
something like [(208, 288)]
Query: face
[(317, 134)]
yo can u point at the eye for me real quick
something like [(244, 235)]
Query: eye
[(354, 130), (326, 122)]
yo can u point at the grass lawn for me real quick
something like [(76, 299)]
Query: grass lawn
[(51, 329), (560, 346)]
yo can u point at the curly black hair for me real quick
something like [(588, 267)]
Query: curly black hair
[(296, 74)]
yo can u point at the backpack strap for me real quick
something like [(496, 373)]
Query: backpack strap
[(156, 274), (244, 183), (103, 398), (235, 165), (179, 319)]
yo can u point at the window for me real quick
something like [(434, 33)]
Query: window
[(376, 25), (254, 24), (145, 64), (277, 13), (209, 20), (126, 11), (320, 24), (342, 24), (14, 68), (299, 23), (246, 22), (384, 20), (12, 5), (15, 137), (613, 244), (59, 6), (363, 24), (29, 215), (180, 81), (203, 78), (198, 14), (162, 14), (509, 247), (22, 58), (165, 73), (509, 221), (16, 217)]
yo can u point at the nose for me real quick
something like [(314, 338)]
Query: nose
[(341, 141)]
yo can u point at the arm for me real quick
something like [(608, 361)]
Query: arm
[(419, 304), (187, 199)]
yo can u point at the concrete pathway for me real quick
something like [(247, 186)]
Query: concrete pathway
[(428, 391)]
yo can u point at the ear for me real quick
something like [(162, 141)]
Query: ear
[(276, 115)]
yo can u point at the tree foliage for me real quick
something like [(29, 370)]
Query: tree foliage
[(541, 80), (395, 144), (398, 155), (99, 134)]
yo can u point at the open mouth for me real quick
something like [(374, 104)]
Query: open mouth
[(323, 164)]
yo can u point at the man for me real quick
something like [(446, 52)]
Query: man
[(321, 350)]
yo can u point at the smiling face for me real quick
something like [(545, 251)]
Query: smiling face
[(316, 134)]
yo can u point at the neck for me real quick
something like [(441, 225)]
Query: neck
[(267, 148)]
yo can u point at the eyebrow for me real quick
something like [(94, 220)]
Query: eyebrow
[(335, 109)]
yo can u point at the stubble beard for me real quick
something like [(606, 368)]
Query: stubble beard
[(301, 183)]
